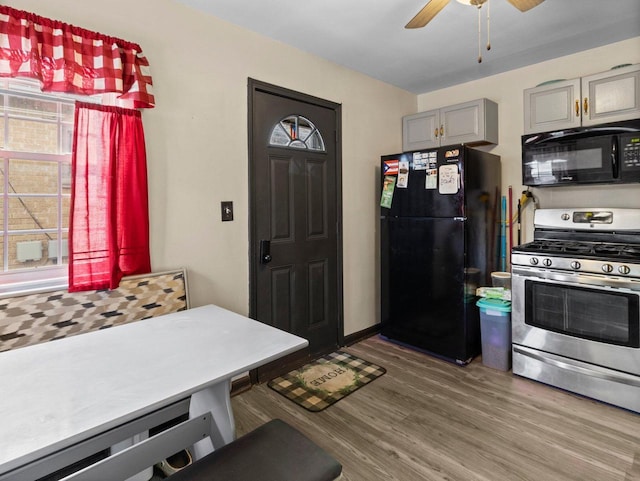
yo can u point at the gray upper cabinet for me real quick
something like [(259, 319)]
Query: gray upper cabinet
[(611, 96), (552, 107), (474, 122), (421, 131), (604, 97)]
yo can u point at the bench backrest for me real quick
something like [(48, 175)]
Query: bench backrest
[(34, 318)]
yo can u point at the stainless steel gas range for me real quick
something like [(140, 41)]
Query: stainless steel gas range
[(576, 303)]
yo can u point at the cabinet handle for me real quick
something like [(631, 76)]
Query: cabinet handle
[(586, 106), (577, 108), (441, 131), (435, 132)]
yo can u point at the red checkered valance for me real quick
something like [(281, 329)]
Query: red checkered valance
[(69, 59)]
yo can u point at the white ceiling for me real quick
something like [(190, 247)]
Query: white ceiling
[(369, 35)]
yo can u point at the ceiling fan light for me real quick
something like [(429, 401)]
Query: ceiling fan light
[(475, 3)]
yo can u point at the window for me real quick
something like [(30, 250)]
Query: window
[(36, 132), (298, 132)]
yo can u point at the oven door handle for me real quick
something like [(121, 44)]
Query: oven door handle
[(609, 282), (583, 279)]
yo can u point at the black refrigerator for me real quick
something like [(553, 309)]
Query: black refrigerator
[(439, 240)]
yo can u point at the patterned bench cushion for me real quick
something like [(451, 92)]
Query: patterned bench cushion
[(35, 318)]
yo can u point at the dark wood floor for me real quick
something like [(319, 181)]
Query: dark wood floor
[(427, 419)]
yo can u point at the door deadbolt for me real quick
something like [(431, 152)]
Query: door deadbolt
[(265, 251)]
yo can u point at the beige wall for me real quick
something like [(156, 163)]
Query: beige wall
[(506, 89), (197, 141)]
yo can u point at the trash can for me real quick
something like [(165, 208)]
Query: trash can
[(495, 331), (501, 279)]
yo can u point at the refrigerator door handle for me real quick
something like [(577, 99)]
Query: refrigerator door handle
[(461, 219)]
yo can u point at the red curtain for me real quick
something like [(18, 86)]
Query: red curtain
[(70, 59), (109, 223)]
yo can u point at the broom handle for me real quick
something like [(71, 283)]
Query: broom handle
[(510, 220)]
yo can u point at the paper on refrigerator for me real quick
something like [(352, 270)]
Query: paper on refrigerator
[(387, 191), (448, 179)]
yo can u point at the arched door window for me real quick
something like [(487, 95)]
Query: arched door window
[(298, 132)]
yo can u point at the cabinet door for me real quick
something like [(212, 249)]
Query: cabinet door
[(469, 123), (611, 96), (552, 107), (421, 131)]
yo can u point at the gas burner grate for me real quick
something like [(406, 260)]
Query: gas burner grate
[(555, 247), (544, 246), (570, 248), (607, 249), (577, 248), (630, 251)]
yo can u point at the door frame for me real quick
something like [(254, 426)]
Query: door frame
[(259, 86)]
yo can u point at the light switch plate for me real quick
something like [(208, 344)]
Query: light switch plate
[(226, 210)]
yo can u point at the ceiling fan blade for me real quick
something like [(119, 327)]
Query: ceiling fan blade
[(524, 5), (427, 13)]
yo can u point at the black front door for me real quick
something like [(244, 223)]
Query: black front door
[(295, 252)]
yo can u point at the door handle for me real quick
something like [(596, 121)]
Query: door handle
[(614, 156), (265, 251)]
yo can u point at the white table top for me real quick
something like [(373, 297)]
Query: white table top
[(55, 394)]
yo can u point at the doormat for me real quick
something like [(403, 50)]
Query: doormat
[(318, 385)]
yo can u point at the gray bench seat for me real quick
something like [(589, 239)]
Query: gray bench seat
[(273, 452)]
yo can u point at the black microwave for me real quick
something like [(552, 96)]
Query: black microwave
[(602, 154)]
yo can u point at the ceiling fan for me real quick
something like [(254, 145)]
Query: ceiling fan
[(431, 9)]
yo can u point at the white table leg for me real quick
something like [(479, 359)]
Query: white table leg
[(216, 400)]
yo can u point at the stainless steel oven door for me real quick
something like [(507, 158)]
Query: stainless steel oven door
[(590, 318)]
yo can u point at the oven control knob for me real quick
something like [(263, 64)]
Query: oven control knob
[(575, 265), (607, 268), (546, 262), (624, 270), (533, 261)]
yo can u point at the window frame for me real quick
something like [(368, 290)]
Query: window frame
[(295, 141), (37, 278)]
